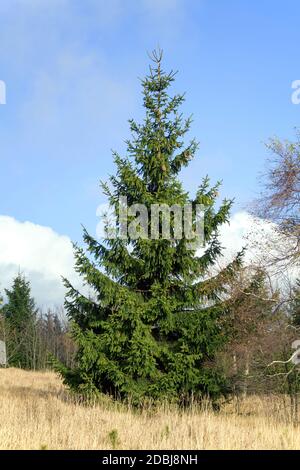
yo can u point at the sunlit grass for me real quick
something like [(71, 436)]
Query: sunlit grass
[(36, 412)]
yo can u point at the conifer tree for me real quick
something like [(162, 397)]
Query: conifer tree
[(153, 327), (20, 316)]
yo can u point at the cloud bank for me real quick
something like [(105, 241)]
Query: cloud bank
[(44, 255), (41, 254)]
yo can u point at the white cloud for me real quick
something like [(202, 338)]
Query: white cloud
[(263, 245), (239, 233), (41, 254), (246, 231)]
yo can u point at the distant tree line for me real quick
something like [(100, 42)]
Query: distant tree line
[(260, 325), (33, 339)]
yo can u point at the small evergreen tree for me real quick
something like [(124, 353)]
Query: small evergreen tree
[(20, 316), (155, 323)]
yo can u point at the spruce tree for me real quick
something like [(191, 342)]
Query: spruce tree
[(20, 316), (153, 327)]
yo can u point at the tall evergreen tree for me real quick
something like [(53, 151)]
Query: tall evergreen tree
[(20, 315), (155, 322)]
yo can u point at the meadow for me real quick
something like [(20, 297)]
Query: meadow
[(37, 412)]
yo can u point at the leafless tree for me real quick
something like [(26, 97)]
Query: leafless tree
[(279, 201)]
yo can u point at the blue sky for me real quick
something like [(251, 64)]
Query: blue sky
[(71, 68)]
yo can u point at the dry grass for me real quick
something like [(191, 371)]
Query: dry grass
[(37, 413)]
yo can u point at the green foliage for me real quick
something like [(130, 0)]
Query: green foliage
[(295, 307), (153, 327), (20, 317)]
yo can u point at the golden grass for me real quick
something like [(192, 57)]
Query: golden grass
[(37, 413)]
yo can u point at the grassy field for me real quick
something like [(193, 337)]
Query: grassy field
[(36, 412)]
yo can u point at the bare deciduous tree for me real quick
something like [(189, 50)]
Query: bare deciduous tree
[(279, 201)]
